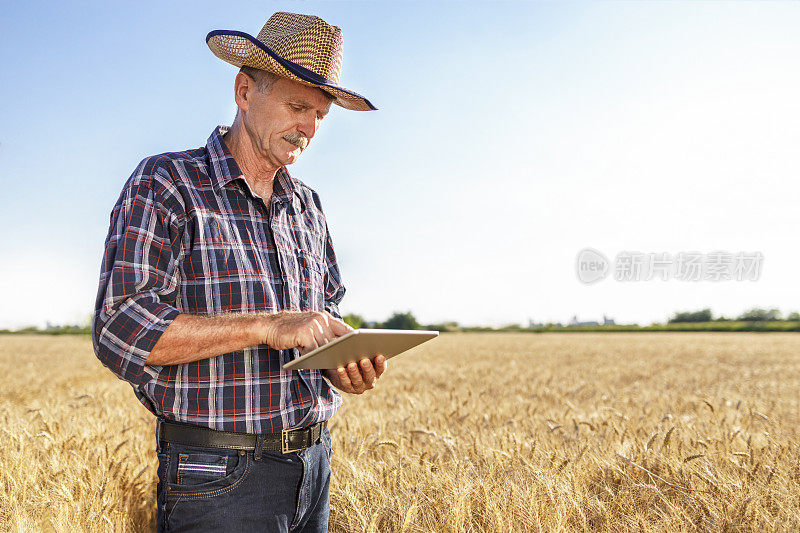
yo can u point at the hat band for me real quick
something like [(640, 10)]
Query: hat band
[(294, 68)]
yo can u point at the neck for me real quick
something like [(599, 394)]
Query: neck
[(258, 173)]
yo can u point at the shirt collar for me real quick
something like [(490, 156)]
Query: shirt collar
[(223, 168)]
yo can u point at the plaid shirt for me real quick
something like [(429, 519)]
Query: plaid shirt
[(187, 235)]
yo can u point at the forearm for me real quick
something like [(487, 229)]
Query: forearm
[(191, 337)]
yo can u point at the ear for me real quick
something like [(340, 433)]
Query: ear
[(242, 88)]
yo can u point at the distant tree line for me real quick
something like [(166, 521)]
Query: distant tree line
[(755, 319), (751, 315), (408, 321), (398, 320)]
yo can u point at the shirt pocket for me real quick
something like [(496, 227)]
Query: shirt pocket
[(222, 271), (311, 280)]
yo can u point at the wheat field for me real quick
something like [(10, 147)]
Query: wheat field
[(471, 432)]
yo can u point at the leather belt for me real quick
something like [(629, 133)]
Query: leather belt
[(288, 440)]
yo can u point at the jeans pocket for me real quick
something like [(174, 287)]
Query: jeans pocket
[(198, 468), (204, 471)]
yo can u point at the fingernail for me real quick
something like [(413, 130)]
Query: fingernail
[(352, 366)]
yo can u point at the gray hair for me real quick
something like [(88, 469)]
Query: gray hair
[(264, 79)]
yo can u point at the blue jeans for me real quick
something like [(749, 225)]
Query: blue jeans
[(208, 489)]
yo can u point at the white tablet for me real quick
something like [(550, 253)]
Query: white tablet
[(360, 343)]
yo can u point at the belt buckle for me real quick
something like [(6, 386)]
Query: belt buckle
[(285, 440)]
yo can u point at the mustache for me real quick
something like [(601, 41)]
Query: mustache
[(297, 139)]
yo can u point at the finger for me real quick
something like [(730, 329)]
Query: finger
[(338, 327), (367, 372), (344, 380), (304, 350), (319, 322), (381, 364), (307, 347), (308, 341), (355, 377), (319, 334), (329, 333), (325, 317)]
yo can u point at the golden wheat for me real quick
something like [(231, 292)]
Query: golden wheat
[(471, 432)]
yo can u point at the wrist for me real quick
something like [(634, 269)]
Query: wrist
[(264, 329), (267, 328)]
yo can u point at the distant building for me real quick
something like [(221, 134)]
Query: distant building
[(607, 321), (576, 322)]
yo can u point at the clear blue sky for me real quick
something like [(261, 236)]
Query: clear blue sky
[(509, 136)]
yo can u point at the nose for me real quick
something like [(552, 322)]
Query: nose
[(309, 124)]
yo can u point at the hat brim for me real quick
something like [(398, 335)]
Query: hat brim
[(239, 49)]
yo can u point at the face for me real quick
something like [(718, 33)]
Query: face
[(281, 123)]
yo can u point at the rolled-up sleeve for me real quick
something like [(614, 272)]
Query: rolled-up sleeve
[(334, 289), (139, 277)]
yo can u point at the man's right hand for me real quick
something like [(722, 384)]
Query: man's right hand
[(305, 330)]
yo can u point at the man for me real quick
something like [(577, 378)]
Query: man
[(218, 269)]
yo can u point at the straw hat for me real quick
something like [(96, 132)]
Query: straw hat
[(302, 48)]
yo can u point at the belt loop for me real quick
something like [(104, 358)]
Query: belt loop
[(158, 435), (259, 444)]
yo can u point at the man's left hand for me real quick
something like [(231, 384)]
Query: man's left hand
[(357, 378)]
